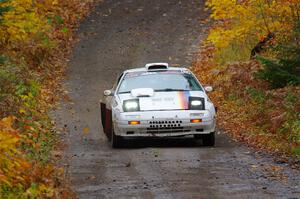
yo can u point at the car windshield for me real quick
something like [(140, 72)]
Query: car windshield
[(160, 82)]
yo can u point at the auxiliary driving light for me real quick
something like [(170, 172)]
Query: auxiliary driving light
[(196, 120), (134, 122)]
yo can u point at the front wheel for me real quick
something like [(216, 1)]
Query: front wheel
[(116, 141), (209, 139)]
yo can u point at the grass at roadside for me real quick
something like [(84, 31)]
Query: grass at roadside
[(36, 37)]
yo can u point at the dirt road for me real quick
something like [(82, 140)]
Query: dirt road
[(123, 34)]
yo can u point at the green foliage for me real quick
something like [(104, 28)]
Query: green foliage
[(4, 9), (285, 69), (59, 19), (65, 30), (257, 95), (291, 100), (31, 88), (292, 124), (3, 59), (281, 73), (8, 80), (296, 151)]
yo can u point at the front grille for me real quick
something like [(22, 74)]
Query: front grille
[(166, 126), (165, 123)]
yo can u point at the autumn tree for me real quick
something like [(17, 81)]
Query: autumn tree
[(247, 28), (240, 25)]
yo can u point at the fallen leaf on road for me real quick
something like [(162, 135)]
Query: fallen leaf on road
[(91, 178), (86, 131), (254, 166)]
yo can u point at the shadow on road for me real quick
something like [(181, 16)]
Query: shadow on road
[(161, 142), (222, 141)]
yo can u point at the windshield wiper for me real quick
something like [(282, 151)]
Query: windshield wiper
[(159, 90), (169, 90), (124, 92)]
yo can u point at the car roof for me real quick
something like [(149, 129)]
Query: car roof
[(143, 69)]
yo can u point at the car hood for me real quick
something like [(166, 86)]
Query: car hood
[(175, 100)]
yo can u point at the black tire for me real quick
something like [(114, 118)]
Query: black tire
[(108, 124), (209, 139), (103, 111), (198, 137), (116, 141)]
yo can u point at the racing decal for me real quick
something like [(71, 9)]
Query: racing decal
[(141, 73), (183, 98)]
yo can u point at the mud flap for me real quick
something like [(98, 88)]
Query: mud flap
[(108, 124), (103, 110)]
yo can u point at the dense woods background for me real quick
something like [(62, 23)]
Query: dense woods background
[(251, 56)]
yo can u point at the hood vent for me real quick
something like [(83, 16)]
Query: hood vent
[(142, 92), (157, 66)]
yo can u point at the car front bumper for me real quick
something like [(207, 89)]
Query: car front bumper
[(164, 123)]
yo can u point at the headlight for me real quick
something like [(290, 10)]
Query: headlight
[(196, 103), (131, 105)]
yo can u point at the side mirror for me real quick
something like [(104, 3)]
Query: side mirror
[(108, 93), (208, 88)]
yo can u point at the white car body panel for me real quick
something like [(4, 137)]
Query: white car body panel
[(164, 100), (164, 119)]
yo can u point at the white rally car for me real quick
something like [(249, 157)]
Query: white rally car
[(158, 101)]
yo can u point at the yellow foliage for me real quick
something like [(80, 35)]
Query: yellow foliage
[(248, 21), (21, 22), (30, 64), (13, 165)]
